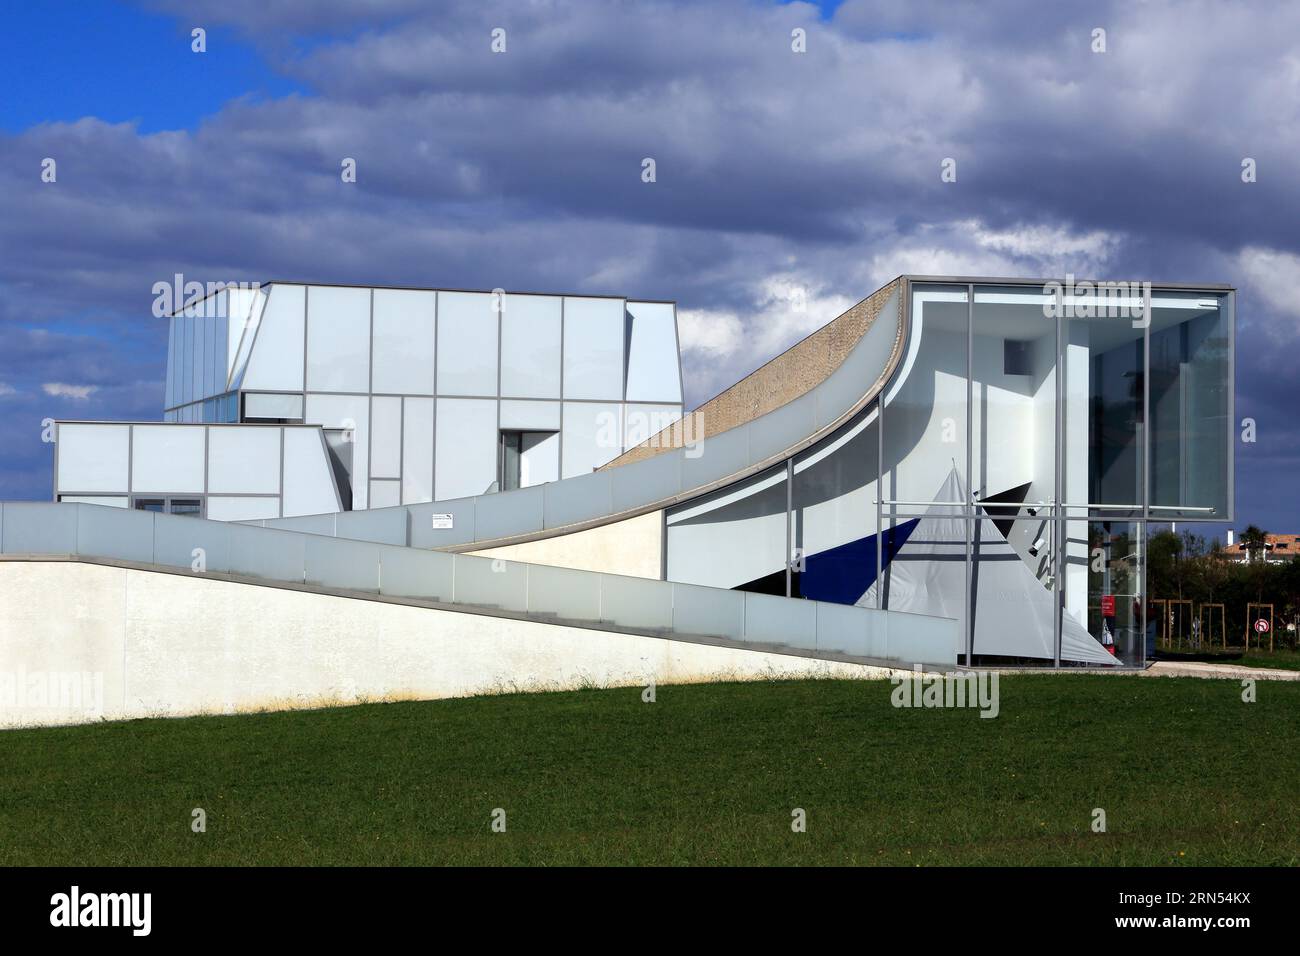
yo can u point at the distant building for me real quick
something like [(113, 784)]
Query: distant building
[(1278, 548)]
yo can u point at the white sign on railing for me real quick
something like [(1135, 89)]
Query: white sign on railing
[(442, 522)]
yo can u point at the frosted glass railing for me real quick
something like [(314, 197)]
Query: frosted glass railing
[(557, 595), (669, 475)]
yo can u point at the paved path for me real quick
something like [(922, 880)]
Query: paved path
[(1227, 671)]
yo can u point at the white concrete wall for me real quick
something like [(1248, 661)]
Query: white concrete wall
[(633, 547), (144, 643)]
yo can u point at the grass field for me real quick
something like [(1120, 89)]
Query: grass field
[(1185, 771)]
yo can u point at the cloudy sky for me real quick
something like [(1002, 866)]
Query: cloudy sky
[(522, 170)]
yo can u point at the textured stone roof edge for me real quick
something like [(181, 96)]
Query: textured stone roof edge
[(777, 382)]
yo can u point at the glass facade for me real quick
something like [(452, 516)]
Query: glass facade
[(1006, 475)]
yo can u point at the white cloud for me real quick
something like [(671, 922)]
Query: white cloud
[(7, 389), (1274, 276), (63, 390)]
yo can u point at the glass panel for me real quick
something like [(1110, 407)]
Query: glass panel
[(410, 572), (417, 450), (338, 339), (652, 371), (834, 518), (925, 410), (275, 407), (385, 494), (258, 552), (530, 346), (1190, 391), (93, 457), (593, 435), (517, 513), (175, 541), (593, 348), (156, 505), (404, 341), (351, 414), (385, 437), (276, 341), (535, 416), (465, 459), (491, 583), (190, 507), (338, 563), (467, 344), (242, 509), (1103, 418), (636, 602), (308, 479), (1103, 620), (37, 528), (925, 489), (781, 621), (167, 458), (642, 422), (244, 459), (574, 595), (732, 538), (114, 533), (712, 613), (1013, 449)]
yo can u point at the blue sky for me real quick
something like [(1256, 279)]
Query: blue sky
[(775, 169)]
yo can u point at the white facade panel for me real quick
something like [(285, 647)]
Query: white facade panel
[(417, 450), (338, 339), (467, 343), (244, 459), (404, 336), (272, 405), (93, 457), (107, 501), (351, 412), (653, 373), (308, 480), (593, 348), (167, 458), (385, 494), (530, 346), (243, 509), (593, 435), (275, 361), (533, 416), (385, 437), (465, 458), (641, 422)]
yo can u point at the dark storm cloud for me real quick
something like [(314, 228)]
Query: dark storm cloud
[(819, 169)]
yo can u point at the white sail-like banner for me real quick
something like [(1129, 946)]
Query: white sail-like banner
[(1013, 611)]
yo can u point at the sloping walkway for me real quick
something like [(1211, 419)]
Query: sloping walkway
[(1225, 671)]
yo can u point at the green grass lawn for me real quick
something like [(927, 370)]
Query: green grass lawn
[(1186, 772)]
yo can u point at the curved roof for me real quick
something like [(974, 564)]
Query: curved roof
[(761, 421)]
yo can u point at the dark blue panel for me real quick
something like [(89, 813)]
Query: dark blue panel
[(842, 574)]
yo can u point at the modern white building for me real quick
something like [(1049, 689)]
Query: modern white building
[(956, 471), (288, 399)]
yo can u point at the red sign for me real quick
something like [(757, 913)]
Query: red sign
[(1108, 605), (1261, 626)]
